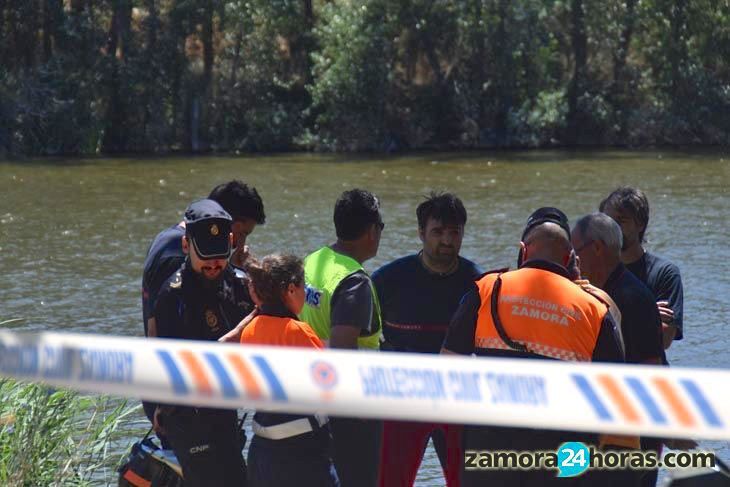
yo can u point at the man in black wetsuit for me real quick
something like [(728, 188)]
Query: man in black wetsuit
[(630, 208), (418, 294), (203, 300)]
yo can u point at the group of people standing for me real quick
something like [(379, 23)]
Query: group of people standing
[(621, 304)]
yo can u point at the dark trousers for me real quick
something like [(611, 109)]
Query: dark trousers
[(295, 462), (654, 444), (207, 443), (149, 411), (356, 450)]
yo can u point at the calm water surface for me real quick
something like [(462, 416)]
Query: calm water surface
[(73, 234)]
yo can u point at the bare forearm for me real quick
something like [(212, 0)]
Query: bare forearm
[(668, 334), (234, 336)]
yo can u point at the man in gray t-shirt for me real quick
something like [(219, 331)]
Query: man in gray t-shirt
[(353, 321)]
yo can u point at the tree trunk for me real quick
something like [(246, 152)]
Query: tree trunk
[(10, 61), (78, 45), (480, 63), (504, 71), (442, 95), (176, 95), (531, 81), (3, 47), (47, 30), (624, 42), (110, 141), (577, 86), (152, 24), (30, 33), (56, 28), (208, 48), (236, 61), (118, 46), (678, 45), (619, 88), (200, 101), (232, 98), (125, 34), (308, 41)]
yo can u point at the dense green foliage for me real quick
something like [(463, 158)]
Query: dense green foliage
[(57, 437), (111, 76)]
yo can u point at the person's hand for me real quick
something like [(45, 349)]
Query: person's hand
[(669, 330), (665, 312), (234, 336)]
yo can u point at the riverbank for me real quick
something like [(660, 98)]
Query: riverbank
[(59, 437), (679, 151)]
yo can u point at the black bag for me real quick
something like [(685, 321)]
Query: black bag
[(149, 465)]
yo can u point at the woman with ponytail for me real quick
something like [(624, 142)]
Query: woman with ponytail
[(287, 449)]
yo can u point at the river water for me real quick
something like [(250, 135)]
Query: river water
[(73, 233)]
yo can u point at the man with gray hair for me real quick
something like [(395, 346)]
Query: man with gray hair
[(597, 241)]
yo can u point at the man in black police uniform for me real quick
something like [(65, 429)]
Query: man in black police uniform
[(203, 300), (165, 255)]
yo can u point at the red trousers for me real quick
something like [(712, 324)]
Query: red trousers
[(404, 444)]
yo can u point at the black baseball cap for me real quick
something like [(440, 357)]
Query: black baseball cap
[(547, 214), (208, 226)]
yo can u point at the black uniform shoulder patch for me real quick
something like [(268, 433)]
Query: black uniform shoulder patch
[(176, 280)]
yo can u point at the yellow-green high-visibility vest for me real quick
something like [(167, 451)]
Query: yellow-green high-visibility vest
[(323, 272)]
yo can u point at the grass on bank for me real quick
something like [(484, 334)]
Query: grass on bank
[(52, 437)]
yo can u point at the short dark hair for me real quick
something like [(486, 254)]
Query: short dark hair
[(631, 200), (444, 207), (272, 276), (240, 200), (355, 211)]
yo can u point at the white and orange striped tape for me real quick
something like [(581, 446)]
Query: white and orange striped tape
[(622, 399)]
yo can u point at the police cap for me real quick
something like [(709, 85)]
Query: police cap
[(208, 226), (547, 214)]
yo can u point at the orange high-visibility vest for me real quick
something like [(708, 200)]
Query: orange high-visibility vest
[(540, 312), (280, 331), (544, 314)]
